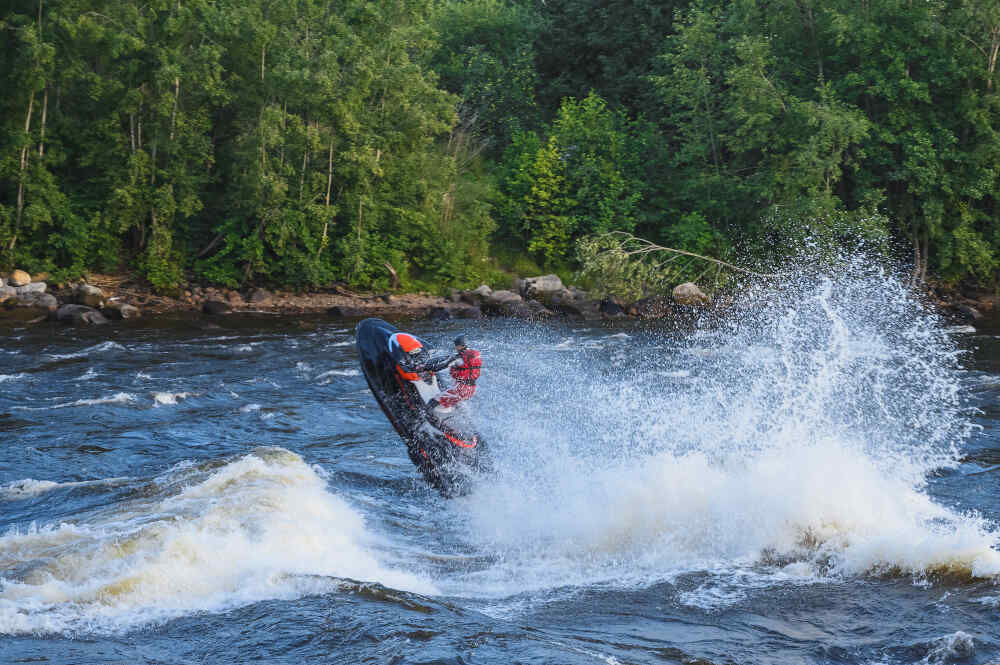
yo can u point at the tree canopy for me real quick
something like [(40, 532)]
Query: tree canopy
[(306, 142)]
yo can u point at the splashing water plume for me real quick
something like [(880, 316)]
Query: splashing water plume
[(791, 437)]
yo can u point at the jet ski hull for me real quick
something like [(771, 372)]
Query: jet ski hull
[(448, 454)]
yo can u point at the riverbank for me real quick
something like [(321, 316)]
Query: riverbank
[(102, 298)]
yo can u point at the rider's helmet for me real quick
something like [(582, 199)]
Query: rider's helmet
[(460, 341)]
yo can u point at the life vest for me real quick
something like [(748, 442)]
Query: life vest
[(470, 368)]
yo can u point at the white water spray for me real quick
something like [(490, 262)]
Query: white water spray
[(791, 440)]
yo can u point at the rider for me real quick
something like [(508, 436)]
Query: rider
[(464, 367)]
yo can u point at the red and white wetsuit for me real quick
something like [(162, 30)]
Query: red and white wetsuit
[(464, 372)]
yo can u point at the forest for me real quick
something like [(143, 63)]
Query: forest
[(420, 144)]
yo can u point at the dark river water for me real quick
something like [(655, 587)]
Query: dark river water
[(814, 478)]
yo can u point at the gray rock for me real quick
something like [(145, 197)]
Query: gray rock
[(7, 293), (611, 309), (119, 310), (85, 294), (501, 298), (968, 312), (477, 296), (30, 307), (2, 283), (260, 297), (216, 307), (80, 315), (33, 287), (454, 295), (467, 313), (439, 314), (688, 293), (542, 287)]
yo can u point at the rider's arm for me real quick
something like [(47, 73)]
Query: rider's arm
[(438, 364)]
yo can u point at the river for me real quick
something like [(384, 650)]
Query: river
[(814, 478)]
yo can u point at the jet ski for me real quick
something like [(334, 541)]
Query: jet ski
[(442, 443)]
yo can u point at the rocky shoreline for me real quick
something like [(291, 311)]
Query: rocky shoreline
[(28, 299)]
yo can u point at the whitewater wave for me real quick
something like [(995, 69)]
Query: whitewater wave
[(326, 377), (29, 487), (103, 347), (117, 398), (203, 538), (168, 398), (12, 377)]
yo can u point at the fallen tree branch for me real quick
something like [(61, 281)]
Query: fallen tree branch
[(647, 247)]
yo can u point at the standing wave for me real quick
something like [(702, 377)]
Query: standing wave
[(199, 538)]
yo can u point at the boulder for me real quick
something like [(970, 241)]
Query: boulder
[(119, 310), (476, 296), (346, 312), (216, 307), (33, 287), (454, 295), (568, 304), (80, 315), (688, 293), (7, 293), (542, 287), (467, 313), (31, 306), (85, 294), (501, 298), (610, 308), (653, 307), (19, 278), (439, 314), (968, 313), (40, 277), (3, 283), (260, 297), (527, 309), (387, 298)]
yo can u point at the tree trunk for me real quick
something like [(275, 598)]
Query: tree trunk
[(329, 185), (45, 110), (173, 113), (24, 166)]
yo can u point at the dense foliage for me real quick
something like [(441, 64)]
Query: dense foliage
[(305, 142)]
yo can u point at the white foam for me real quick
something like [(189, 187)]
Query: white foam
[(168, 398), (956, 646), (29, 487), (117, 398), (262, 526), (92, 350), (247, 408), (12, 377), (90, 374), (326, 377)]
